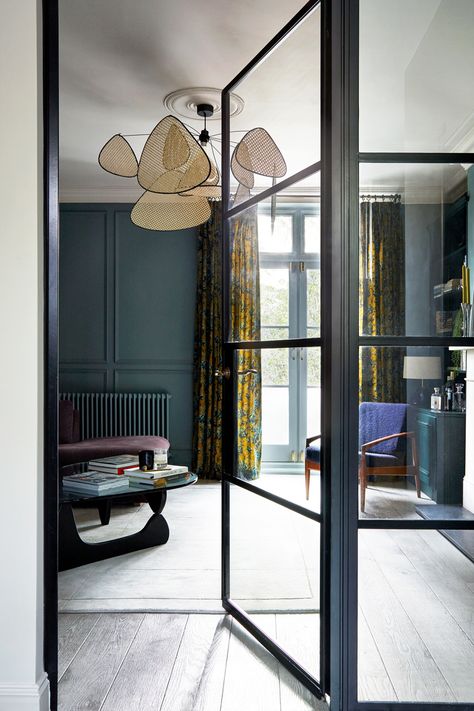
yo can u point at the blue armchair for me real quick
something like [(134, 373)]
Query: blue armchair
[(383, 449), (383, 444)]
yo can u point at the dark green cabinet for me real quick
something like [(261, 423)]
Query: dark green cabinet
[(441, 450)]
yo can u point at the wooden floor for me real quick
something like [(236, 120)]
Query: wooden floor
[(416, 610), (173, 662)]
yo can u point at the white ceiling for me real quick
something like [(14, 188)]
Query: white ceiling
[(119, 59)]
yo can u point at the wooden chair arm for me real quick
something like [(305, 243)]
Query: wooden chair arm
[(369, 445), (311, 439)]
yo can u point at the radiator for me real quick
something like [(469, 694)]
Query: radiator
[(121, 414)]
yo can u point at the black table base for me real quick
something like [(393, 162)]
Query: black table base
[(74, 551)]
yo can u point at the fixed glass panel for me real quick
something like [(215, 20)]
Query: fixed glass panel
[(274, 279), (416, 232), (416, 84), (282, 97), (415, 616), (277, 409), (412, 423), (274, 573)]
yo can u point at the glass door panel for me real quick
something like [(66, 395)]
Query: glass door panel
[(281, 95), (274, 563), (275, 415), (271, 521)]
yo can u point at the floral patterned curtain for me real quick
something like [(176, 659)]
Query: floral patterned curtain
[(207, 389), (382, 298), (245, 314)]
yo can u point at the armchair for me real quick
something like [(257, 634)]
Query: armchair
[(312, 460), (383, 444)]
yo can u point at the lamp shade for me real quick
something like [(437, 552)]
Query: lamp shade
[(422, 367)]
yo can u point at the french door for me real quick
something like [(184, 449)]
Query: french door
[(274, 547)]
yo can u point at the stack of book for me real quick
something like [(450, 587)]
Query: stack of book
[(157, 478), (115, 465), (93, 482)]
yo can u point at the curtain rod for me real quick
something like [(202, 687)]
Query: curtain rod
[(389, 197)]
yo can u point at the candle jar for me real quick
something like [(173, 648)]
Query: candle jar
[(161, 458)]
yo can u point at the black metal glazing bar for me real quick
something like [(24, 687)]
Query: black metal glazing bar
[(278, 187), (416, 158), (51, 253), (283, 343), (445, 524), (407, 706), (441, 341), (288, 662), (307, 513), (270, 46)]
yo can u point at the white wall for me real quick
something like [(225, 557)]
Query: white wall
[(23, 684)]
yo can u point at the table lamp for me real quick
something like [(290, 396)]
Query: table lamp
[(421, 368)]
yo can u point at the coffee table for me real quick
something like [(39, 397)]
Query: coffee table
[(74, 551)]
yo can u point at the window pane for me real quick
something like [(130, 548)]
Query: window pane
[(275, 366), (280, 239), (312, 235), (275, 415), (406, 475), (416, 640), (313, 301), (271, 334), (412, 245), (416, 80), (274, 297)]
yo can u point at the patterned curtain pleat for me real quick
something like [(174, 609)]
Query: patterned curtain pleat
[(207, 389), (245, 315), (382, 299)]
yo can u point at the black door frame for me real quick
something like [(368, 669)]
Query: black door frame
[(50, 276), (340, 159), (317, 687)]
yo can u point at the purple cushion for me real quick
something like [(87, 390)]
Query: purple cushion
[(88, 449), (66, 422)]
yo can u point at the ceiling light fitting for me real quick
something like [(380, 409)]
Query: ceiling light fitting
[(179, 178)]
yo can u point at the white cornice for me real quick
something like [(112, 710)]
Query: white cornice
[(115, 194)]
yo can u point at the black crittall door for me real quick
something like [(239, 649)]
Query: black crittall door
[(275, 548)]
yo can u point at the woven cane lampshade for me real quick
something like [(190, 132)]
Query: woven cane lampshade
[(172, 160), (178, 176), (118, 158), (155, 211)]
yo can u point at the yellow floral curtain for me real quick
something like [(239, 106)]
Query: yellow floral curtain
[(245, 326), (207, 389), (382, 298)]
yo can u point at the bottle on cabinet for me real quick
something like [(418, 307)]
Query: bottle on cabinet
[(436, 400)]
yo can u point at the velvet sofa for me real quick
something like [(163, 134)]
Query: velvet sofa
[(73, 449)]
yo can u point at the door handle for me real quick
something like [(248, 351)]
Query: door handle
[(224, 373), (249, 371)]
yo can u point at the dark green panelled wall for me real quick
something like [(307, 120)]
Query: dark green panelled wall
[(126, 310)]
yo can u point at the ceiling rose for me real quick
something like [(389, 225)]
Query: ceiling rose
[(184, 102)]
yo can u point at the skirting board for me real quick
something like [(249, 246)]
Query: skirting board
[(25, 697)]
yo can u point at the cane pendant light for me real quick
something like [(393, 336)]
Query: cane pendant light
[(118, 158), (172, 160), (155, 211), (178, 177), (211, 192), (258, 153), (242, 175)]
